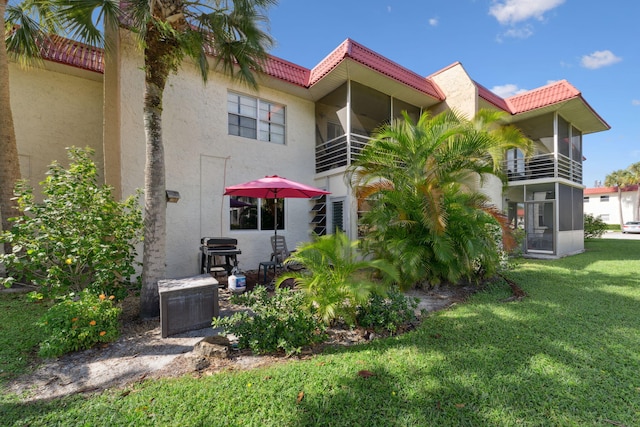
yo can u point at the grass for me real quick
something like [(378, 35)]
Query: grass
[(567, 355), (18, 333)]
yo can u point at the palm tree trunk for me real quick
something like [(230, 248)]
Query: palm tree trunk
[(637, 215), (9, 161), (620, 208), (155, 204)]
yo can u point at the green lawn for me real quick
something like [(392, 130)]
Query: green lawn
[(568, 355)]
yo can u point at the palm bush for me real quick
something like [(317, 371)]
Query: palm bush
[(420, 180), (336, 278)]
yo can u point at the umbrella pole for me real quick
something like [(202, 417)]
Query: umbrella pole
[(275, 216)]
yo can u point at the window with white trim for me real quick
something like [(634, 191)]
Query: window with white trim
[(255, 118), (604, 198)]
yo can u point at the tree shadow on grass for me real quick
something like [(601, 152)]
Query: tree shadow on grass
[(565, 356)]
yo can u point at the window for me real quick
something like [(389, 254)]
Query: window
[(248, 213), (337, 217), (604, 198), (585, 199), (334, 130), (255, 118)]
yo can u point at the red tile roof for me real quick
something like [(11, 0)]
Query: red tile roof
[(491, 97), (90, 58), (367, 57), (287, 71), (69, 52), (541, 97), (605, 190)]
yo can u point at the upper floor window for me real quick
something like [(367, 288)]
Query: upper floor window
[(255, 118), (604, 198), (585, 199)]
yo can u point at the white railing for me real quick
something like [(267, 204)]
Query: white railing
[(339, 151), (543, 166)]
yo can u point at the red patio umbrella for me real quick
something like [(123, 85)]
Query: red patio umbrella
[(274, 187)]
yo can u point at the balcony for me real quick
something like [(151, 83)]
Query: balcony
[(543, 166), (339, 152)]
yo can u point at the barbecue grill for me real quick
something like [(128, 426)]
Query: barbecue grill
[(218, 254)]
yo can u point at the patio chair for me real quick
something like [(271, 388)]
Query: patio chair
[(280, 252)]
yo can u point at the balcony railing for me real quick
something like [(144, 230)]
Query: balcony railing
[(340, 151), (543, 166)]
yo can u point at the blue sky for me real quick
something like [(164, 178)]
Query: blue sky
[(505, 45)]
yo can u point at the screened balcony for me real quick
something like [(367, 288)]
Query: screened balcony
[(347, 117), (543, 166), (558, 151)]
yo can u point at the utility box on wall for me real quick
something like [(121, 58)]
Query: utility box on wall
[(187, 304)]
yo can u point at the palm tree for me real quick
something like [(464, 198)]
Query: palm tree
[(169, 31), (618, 179), (421, 180), (10, 170), (634, 178)]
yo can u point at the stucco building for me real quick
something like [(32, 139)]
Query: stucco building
[(605, 203), (303, 124)]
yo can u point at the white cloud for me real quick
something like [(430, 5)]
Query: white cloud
[(635, 102), (505, 91), (389, 9), (519, 33), (552, 81), (433, 22), (599, 59), (514, 11)]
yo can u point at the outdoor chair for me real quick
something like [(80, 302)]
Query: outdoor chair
[(280, 252)]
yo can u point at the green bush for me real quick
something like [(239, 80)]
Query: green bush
[(79, 323), (594, 227), (78, 237), (336, 277), (387, 313), (276, 323)]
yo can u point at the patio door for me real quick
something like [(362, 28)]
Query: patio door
[(540, 226)]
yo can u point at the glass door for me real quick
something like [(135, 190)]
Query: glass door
[(540, 226)]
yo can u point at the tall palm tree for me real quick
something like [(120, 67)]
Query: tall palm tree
[(9, 161), (421, 180), (231, 31), (618, 179), (170, 30), (634, 178)]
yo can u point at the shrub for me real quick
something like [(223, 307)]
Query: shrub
[(336, 278), (77, 237), (388, 313), (277, 322), (594, 227), (79, 323)]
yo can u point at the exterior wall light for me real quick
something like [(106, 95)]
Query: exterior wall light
[(172, 196)]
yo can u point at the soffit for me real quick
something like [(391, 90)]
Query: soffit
[(575, 111), (348, 69)]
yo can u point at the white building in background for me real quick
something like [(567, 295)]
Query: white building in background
[(303, 124), (603, 203)]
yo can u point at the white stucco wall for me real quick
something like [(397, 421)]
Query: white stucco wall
[(53, 108), (611, 209), (201, 159)]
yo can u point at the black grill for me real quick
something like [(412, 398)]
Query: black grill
[(218, 255)]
